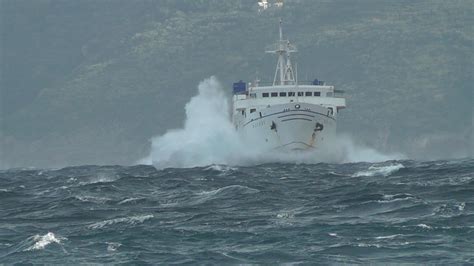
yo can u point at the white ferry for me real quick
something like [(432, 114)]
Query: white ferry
[(286, 115)]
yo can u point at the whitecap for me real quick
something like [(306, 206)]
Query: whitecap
[(384, 170), (129, 200), (42, 241), (101, 178), (366, 245), (244, 189), (449, 209), (286, 215), (285, 218), (93, 199), (424, 226), (393, 200), (132, 220), (220, 168), (204, 196), (396, 197), (112, 246), (336, 174), (389, 236)]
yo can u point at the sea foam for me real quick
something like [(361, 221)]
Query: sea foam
[(132, 220), (41, 241), (384, 170)]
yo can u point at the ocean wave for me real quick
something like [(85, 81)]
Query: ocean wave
[(384, 170), (229, 189), (285, 218), (367, 245), (101, 178), (129, 200), (132, 220), (85, 198), (389, 236), (286, 215), (175, 211), (337, 174), (220, 168), (223, 192), (396, 197), (449, 209), (41, 241), (112, 246), (424, 226)]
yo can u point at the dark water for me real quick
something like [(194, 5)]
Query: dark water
[(391, 212)]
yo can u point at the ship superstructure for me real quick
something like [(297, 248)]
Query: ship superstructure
[(286, 114)]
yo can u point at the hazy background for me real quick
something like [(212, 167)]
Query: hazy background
[(90, 82)]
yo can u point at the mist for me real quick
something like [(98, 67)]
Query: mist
[(114, 82)]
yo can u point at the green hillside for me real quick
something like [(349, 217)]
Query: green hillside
[(90, 82)]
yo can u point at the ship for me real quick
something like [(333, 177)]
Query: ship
[(286, 115)]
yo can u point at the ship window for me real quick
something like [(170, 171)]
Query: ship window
[(300, 93), (265, 94), (308, 93), (291, 93), (282, 94), (253, 95), (329, 94), (274, 94), (317, 93), (252, 110)]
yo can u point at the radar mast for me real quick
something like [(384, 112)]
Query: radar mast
[(284, 73)]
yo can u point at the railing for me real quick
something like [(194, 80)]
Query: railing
[(248, 90), (269, 83)]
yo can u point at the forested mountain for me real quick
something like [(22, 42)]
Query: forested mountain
[(90, 82)]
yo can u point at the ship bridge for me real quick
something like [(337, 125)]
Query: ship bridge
[(285, 87)]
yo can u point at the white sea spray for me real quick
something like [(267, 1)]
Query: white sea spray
[(41, 241), (383, 170), (208, 137), (132, 220)]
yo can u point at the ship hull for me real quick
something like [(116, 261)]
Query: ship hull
[(289, 126)]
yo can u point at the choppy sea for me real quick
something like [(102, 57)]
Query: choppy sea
[(391, 212)]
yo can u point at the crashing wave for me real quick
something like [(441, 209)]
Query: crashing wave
[(41, 241), (132, 220), (208, 137), (385, 170)]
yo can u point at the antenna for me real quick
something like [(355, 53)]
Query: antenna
[(281, 31), (257, 80), (296, 74), (284, 69)]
